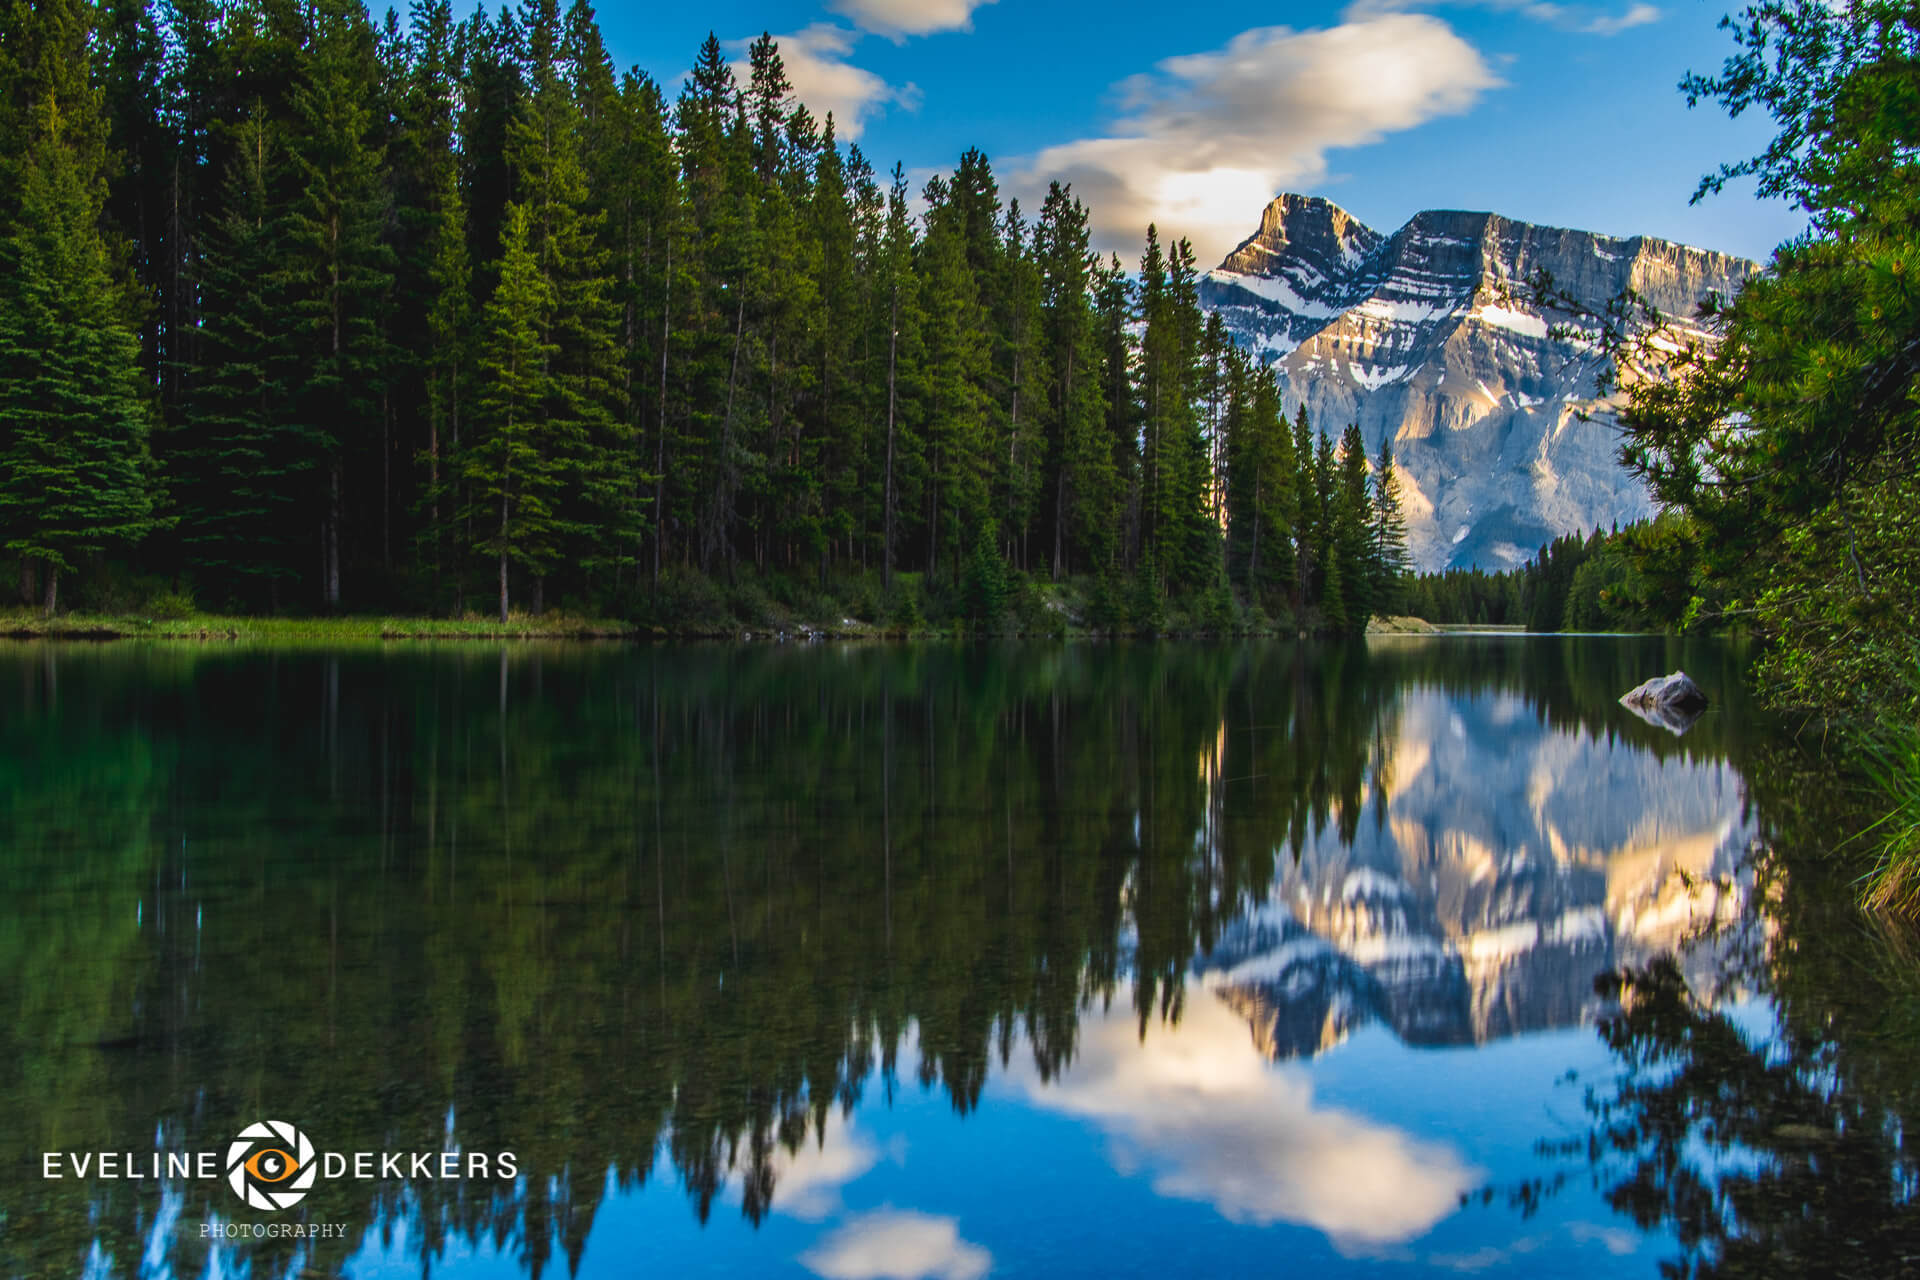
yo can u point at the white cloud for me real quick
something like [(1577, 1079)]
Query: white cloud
[(1578, 17), (1199, 1110), (816, 63), (807, 1183), (1207, 139), (1637, 16), (898, 1244), (898, 19)]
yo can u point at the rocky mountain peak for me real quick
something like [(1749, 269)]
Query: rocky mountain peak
[(1434, 337), (1306, 228)]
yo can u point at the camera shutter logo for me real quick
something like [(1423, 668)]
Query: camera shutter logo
[(271, 1165)]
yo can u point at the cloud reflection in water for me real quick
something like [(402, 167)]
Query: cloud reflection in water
[(1197, 1107)]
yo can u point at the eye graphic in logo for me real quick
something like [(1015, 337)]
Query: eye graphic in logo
[(271, 1165)]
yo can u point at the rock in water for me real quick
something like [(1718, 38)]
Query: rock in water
[(1674, 702), (1435, 337)]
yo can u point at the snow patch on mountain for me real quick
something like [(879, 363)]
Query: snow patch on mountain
[(1434, 337)]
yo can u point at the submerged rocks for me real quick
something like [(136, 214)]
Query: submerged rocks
[(1673, 702)]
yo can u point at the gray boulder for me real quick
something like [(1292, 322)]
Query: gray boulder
[(1673, 702)]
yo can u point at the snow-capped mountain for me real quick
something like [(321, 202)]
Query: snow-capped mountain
[(1433, 335)]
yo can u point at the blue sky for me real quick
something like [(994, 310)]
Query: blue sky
[(1193, 115)]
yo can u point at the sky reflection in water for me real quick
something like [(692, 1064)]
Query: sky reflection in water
[(883, 963)]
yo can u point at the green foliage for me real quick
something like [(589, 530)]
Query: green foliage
[(1038, 609), (1633, 579), (1146, 611), (1790, 449), (445, 310), (1892, 759), (1845, 645), (985, 589), (1388, 530), (75, 475), (904, 611), (514, 469), (1214, 611), (1106, 605), (1791, 446), (242, 466)]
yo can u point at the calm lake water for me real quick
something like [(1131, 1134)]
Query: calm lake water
[(1423, 957)]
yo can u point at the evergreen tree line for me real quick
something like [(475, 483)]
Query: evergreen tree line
[(308, 311), (1608, 580)]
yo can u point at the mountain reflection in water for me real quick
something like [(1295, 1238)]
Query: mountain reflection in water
[(931, 960), (1504, 864)]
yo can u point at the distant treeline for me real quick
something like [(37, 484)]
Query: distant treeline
[(304, 311), (1620, 580)]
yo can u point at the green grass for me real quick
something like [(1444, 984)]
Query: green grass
[(1893, 765), (552, 626)]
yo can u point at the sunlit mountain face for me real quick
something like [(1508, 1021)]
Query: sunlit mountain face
[(1476, 346), (923, 961)]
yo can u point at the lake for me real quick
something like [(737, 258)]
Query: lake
[(1419, 957)]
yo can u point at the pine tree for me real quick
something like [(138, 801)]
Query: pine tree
[(493, 93), (515, 480), (781, 474), (1353, 545), (586, 440), (1120, 414), (1261, 484), (716, 155), (75, 474), (1391, 561), (338, 273), (130, 58), (1324, 535), (1080, 457), (957, 369), (244, 455), (1020, 453), (1194, 552), (634, 189), (1309, 563), (897, 361), (1158, 385), (834, 452), (435, 312)]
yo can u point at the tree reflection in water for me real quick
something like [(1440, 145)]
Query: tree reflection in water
[(1773, 1136), (637, 914)]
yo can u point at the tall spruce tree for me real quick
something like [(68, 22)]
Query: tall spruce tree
[(897, 362), (1323, 535), (1353, 543), (1262, 485), (586, 440), (75, 476), (244, 456), (338, 271), (516, 481), (1391, 561), (1080, 459), (957, 368)]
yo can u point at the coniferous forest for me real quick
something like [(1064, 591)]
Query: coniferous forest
[(309, 312)]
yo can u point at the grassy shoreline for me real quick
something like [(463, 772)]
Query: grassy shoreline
[(29, 624)]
